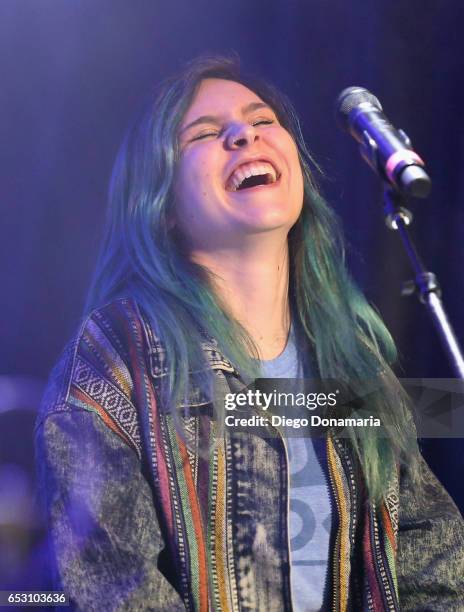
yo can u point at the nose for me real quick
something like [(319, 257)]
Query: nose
[(241, 135)]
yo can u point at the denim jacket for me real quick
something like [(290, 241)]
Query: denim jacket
[(140, 520)]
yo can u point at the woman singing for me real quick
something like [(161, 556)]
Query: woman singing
[(222, 263)]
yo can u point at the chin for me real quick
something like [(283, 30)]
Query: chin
[(269, 225), (275, 220)]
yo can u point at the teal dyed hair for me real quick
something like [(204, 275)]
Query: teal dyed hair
[(141, 258)]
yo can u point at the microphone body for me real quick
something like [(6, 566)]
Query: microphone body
[(386, 149)]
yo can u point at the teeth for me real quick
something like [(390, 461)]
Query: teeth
[(238, 177), (250, 169)]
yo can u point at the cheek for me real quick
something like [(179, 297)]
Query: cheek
[(285, 144), (193, 197), (297, 171), (194, 178)]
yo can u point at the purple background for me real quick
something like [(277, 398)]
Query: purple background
[(74, 72)]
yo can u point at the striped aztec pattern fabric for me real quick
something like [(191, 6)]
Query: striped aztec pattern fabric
[(223, 516)]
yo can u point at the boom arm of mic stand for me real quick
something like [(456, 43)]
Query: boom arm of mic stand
[(425, 284)]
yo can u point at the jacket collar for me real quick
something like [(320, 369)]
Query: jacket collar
[(215, 360)]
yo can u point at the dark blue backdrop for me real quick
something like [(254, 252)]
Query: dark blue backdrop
[(73, 73)]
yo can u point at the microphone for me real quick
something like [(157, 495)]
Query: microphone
[(387, 150)]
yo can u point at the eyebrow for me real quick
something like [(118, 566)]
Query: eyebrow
[(249, 108)]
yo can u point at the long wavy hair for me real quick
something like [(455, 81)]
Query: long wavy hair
[(141, 257)]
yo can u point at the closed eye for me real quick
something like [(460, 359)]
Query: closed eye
[(263, 122), (214, 133), (204, 135)]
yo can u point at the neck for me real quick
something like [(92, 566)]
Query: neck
[(252, 284)]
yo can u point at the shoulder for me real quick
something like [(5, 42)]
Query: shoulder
[(95, 371)]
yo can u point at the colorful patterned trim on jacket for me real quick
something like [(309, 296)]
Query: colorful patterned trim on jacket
[(218, 536)]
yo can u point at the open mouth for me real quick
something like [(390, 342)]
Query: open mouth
[(254, 181), (252, 174)]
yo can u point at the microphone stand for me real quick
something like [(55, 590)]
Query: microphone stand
[(425, 284)]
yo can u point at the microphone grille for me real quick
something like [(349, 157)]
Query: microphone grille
[(350, 98)]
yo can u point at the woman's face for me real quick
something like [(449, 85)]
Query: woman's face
[(239, 174)]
